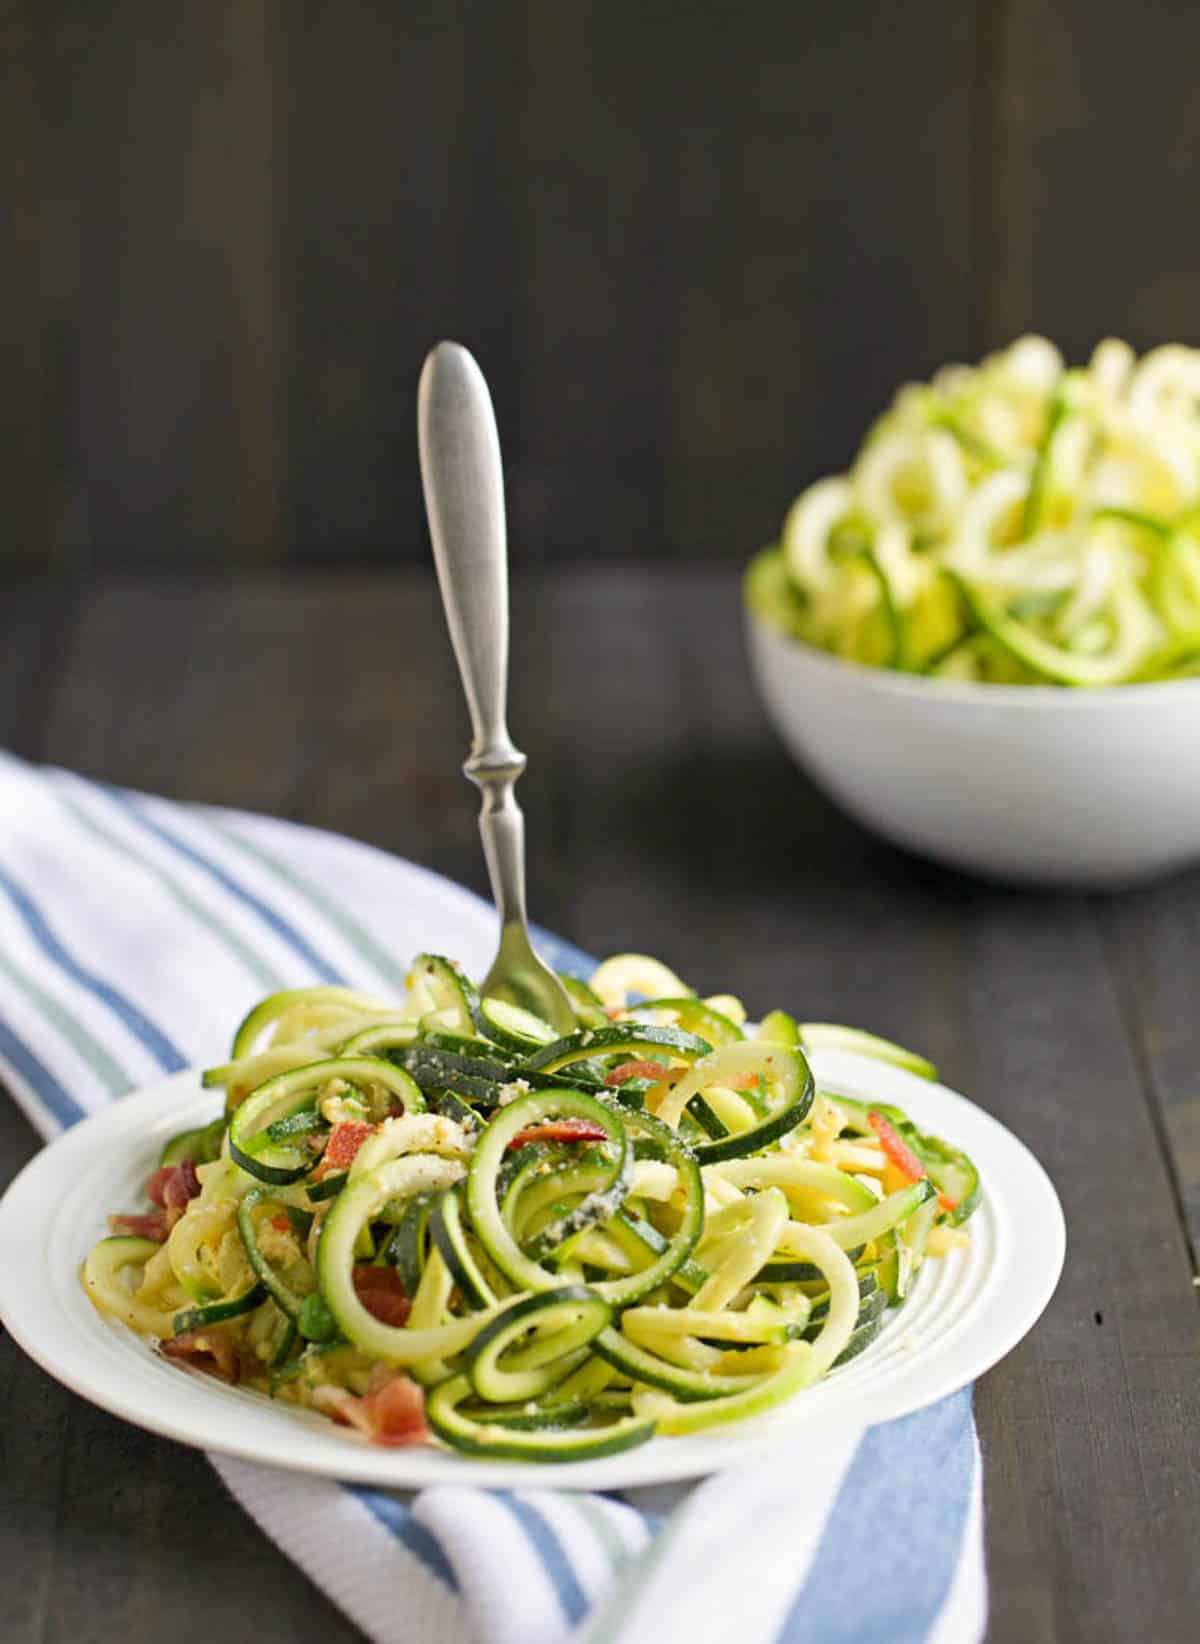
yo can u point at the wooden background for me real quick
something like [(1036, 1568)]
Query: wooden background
[(694, 245)]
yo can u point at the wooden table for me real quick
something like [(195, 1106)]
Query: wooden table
[(684, 830)]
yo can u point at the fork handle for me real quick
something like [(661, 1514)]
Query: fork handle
[(464, 498)]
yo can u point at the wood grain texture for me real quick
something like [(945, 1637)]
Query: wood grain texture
[(831, 148), (119, 1536), (1094, 127), (381, 106), (1151, 938), (1080, 1418), (694, 256), (37, 627), (50, 313), (597, 276), (24, 458), (661, 813), (158, 122)]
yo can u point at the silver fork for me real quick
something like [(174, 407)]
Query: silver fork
[(464, 499)]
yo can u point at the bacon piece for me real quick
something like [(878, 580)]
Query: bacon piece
[(182, 1187), (345, 1139), (391, 1413), (635, 1070), (381, 1292), (156, 1186), (172, 1186), (396, 1411), (559, 1130), (211, 1349), (153, 1225)]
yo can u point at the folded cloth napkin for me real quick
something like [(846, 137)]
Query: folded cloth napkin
[(133, 933)]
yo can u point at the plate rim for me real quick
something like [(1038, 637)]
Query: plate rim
[(27, 1290)]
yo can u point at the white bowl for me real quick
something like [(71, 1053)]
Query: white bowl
[(1028, 783)]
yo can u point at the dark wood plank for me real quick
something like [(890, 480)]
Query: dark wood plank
[(36, 628), (824, 200), (690, 267), (24, 457), (119, 1535), (335, 701), (245, 180), (167, 181), (694, 260), (1087, 1427), (384, 760), (598, 276), (394, 230), (1152, 938), (52, 315), (1091, 226), (192, 689), (717, 270)]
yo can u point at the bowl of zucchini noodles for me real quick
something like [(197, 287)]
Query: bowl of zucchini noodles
[(439, 1222), (984, 639)]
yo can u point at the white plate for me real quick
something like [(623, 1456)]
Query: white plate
[(966, 1311)]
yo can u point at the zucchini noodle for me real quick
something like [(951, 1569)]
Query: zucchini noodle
[(437, 1222), (1014, 522)]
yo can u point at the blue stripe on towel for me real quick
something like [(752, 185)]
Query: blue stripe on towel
[(142, 1028), (39, 1078), (900, 1514), (552, 1554), (269, 915), (398, 1518)]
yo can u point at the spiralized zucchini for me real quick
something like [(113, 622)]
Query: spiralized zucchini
[(436, 1221), (1014, 522)]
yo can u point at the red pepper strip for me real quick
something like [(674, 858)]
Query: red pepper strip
[(901, 1155), (345, 1139), (559, 1130), (635, 1070)]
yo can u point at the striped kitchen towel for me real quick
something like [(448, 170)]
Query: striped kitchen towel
[(133, 932)]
